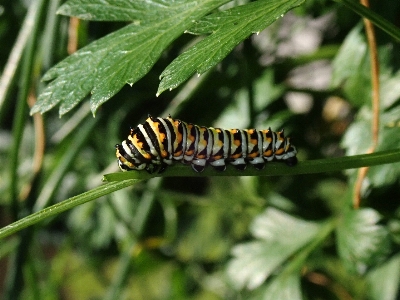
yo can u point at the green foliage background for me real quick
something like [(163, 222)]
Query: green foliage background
[(299, 64)]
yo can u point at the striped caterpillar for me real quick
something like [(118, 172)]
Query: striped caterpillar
[(158, 142)]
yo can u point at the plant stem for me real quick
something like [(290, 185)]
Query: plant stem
[(55, 209), (272, 168), (374, 61)]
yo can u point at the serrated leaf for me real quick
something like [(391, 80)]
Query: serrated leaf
[(384, 281), (361, 241), (228, 28), (105, 66), (115, 10), (279, 236)]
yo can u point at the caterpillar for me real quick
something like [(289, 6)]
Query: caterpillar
[(158, 142)]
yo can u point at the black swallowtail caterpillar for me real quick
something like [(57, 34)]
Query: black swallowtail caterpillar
[(158, 142)]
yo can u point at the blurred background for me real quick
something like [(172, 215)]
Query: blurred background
[(187, 238)]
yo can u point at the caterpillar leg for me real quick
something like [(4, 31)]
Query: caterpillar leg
[(291, 161), (258, 163), (198, 165), (239, 163), (163, 167), (219, 165), (151, 168)]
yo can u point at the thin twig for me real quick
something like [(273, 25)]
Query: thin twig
[(369, 28), (73, 35), (40, 142)]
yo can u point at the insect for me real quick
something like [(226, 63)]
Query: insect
[(158, 142)]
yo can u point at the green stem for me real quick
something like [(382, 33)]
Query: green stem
[(273, 168), (65, 205)]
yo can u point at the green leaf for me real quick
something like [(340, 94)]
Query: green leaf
[(384, 281), (142, 11), (361, 241), (228, 28), (394, 227), (105, 66), (279, 236), (281, 289), (357, 140), (351, 71), (349, 68), (390, 89)]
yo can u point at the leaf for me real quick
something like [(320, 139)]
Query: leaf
[(125, 56), (115, 10), (390, 89), (351, 71), (384, 281), (279, 236), (394, 227), (361, 241), (349, 56), (349, 68), (228, 28), (357, 140), (281, 288)]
